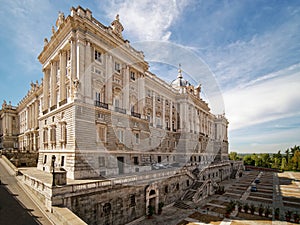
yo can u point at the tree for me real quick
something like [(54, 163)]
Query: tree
[(295, 160), (287, 155), (276, 163), (265, 160), (233, 156), (248, 160), (294, 149), (283, 164)]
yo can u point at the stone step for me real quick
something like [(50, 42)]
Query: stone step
[(181, 205), (189, 195)]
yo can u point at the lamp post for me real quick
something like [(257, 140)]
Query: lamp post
[(53, 170)]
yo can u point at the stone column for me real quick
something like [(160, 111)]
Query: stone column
[(62, 83), (73, 65), (29, 117), (171, 115), (154, 110), (141, 94), (53, 84), (36, 112), (109, 77), (80, 59), (9, 125), (32, 115), (73, 58), (46, 89), (87, 85), (126, 89), (163, 112), (34, 142)]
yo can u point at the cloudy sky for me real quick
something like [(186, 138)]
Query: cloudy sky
[(251, 47)]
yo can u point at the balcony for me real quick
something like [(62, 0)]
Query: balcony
[(101, 104), (138, 115), (159, 126), (62, 102), (53, 107), (120, 110)]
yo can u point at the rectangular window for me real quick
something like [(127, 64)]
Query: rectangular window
[(102, 133), (158, 121), (101, 161), (132, 75), (137, 138), (135, 160), (132, 200), (63, 133), (53, 135), (45, 136), (45, 159), (121, 136), (98, 96), (117, 102), (98, 56), (117, 67), (62, 161), (159, 159)]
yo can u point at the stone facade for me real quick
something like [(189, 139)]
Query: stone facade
[(103, 114)]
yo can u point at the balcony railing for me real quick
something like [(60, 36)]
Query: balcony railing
[(159, 126), (53, 107), (120, 110), (101, 104), (138, 115)]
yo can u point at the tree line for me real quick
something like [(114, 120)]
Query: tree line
[(288, 160)]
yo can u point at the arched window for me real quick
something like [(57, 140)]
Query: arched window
[(166, 189), (107, 208)]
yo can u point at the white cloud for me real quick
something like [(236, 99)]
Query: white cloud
[(147, 19), (246, 59), (265, 100), (24, 24)]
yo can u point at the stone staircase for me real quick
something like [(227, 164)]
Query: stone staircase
[(233, 174), (196, 185), (189, 195), (181, 205)]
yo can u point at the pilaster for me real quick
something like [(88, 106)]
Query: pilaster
[(63, 70), (109, 77), (126, 88), (46, 89), (53, 84), (87, 85), (163, 113), (154, 110)]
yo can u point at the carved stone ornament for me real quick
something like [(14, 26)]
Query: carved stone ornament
[(117, 27)]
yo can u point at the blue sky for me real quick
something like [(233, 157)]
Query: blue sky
[(251, 47)]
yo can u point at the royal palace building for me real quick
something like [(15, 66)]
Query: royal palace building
[(99, 112)]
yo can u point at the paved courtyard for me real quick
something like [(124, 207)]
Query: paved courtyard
[(275, 190)]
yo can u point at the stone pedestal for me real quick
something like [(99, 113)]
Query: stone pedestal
[(60, 177)]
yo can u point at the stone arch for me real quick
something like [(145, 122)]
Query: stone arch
[(152, 196)]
